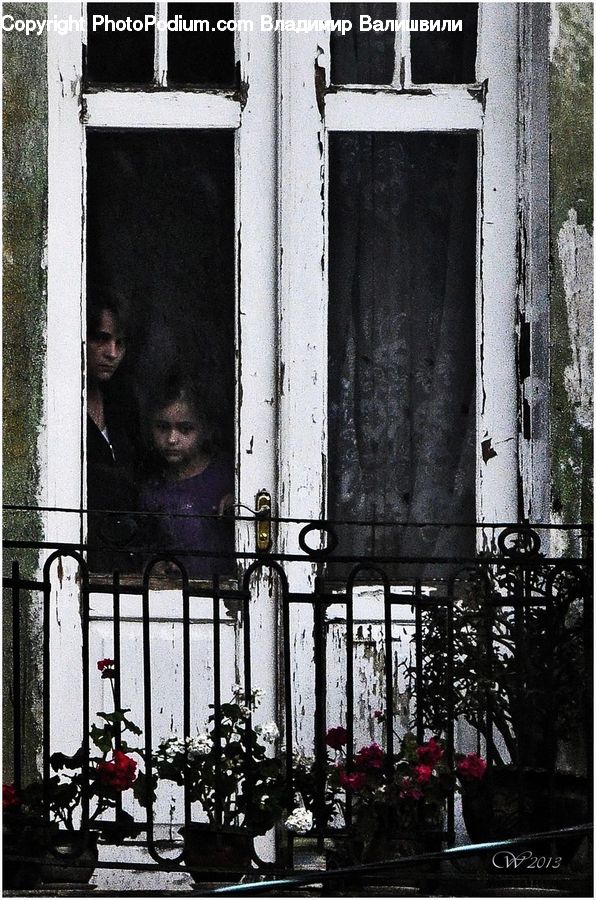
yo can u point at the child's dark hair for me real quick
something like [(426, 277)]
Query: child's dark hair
[(177, 389)]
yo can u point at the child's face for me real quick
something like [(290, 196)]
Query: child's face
[(178, 435)]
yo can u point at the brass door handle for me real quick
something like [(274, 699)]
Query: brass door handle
[(263, 521)]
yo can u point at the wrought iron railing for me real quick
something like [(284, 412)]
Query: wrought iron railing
[(500, 640)]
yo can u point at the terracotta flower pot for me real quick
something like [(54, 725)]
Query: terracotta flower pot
[(214, 854), (71, 858), (399, 840), (492, 809), (19, 875)]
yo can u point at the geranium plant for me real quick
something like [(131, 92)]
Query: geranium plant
[(112, 769), (101, 780), (375, 794), (227, 768)]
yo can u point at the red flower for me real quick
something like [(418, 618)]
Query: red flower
[(430, 753), (336, 737), (10, 796), (471, 767), (105, 664), (371, 757), (119, 774), (354, 781), (409, 791), (423, 773)]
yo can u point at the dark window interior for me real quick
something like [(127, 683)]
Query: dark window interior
[(362, 57), (437, 57), (160, 241), (402, 339), (203, 58), (444, 57), (160, 235), (119, 57)]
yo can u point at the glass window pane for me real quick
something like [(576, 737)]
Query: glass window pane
[(119, 57), (160, 244), (444, 57), (402, 338), (362, 57), (204, 56)]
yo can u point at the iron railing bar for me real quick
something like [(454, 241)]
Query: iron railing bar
[(349, 691), (148, 709), (117, 674), (316, 875), (85, 768), (395, 864), (287, 685), (450, 710), (146, 643), (419, 671), (46, 720), (186, 686), (389, 704), (320, 660), (295, 557), (17, 721), (25, 584), (217, 695), (587, 526), (248, 676)]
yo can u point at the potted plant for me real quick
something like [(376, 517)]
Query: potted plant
[(24, 836), (70, 852), (240, 787), (519, 678), (391, 805)]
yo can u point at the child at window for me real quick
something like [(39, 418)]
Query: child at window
[(195, 485)]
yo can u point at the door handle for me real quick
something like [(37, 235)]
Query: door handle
[(263, 521)]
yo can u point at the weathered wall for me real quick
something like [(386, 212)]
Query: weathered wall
[(571, 260), (24, 223)]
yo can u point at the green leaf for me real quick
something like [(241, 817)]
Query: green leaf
[(134, 729), (117, 716), (408, 747), (144, 789), (102, 738), (61, 761)]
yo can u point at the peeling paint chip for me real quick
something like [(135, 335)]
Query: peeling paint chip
[(488, 450)]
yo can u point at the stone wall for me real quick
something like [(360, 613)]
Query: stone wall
[(24, 318)]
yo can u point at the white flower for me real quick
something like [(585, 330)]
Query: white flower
[(198, 746), (269, 732), (300, 820)]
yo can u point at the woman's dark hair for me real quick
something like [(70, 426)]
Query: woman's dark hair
[(104, 302)]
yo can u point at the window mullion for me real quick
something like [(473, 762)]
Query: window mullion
[(402, 72), (160, 65), (448, 109)]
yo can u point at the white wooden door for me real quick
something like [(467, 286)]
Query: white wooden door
[(282, 120), (250, 117)]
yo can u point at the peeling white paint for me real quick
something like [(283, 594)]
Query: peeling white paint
[(575, 246)]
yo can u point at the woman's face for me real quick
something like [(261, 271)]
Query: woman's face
[(105, 348)]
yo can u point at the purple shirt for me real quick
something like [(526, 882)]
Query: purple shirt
[(197, 496)]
